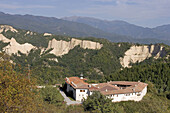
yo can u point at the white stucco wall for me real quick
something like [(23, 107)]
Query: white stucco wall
[(81, 95), (90, 93), (129, 96)]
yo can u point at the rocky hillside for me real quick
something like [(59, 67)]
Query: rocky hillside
[(60, 47), (13, 47), (140, 53), (71, 56), (63, 47)]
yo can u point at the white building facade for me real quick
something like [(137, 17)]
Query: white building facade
[(137, 96), (116, 90)]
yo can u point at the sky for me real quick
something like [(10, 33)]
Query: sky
[(146, 13)]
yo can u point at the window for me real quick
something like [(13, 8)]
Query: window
[(138, 94), (82, 90), (128, 94)]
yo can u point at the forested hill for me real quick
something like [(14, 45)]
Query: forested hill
[(48, 59), (62, 27), (67, 56)]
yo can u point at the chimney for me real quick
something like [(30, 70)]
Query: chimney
[(81, 76), (106, 90), (133, 89)]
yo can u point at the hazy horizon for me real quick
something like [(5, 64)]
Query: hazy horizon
[(146, 13)]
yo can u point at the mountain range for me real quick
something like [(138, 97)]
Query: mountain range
[(124, 28), (116, 31), (48, 59), (88, 55)]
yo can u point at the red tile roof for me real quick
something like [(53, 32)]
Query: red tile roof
[(107, 88), (77, 83), (123, 83), (138, 87), (103, 87)]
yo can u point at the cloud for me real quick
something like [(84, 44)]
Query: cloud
[(12, 6), (104, 0), (129, 9), (134, 11)]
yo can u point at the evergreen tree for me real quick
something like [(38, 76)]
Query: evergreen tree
[(98, 103)]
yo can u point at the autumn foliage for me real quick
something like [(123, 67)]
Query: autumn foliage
[(15, 89)]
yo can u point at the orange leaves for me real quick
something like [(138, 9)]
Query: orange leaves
[(15, 90)]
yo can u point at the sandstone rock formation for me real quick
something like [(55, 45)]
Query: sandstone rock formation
[(29, 33), (7, 28), (140, 53), (47, 34), (63, 47), (4, 39), (14, 47), (59, 47)]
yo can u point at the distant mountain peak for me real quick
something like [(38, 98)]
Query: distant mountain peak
[(116, 31), (2, 12), (75, 18), (124, 28), (71, 18)]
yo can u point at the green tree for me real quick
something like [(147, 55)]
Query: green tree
[(51, 95), (98, 103), (16, 93)]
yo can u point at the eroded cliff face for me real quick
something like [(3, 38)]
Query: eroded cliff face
[(63, 47), (14, 46), (47, 34), (140, 53), (7, 28), (59, 47)]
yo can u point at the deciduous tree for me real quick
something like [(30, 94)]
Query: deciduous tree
[(15, 89)]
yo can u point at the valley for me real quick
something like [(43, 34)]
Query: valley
[(48, 58), (84, 56)]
